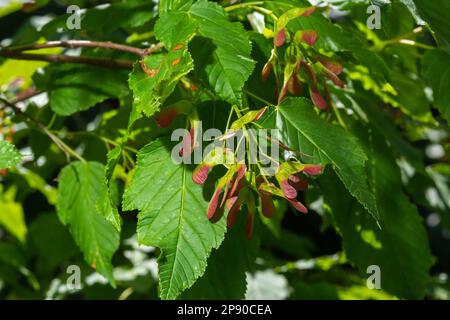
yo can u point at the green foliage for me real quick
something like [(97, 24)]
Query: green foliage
[(9, 155), (80, 207), (301, 129), (362, 175), (171, 217)]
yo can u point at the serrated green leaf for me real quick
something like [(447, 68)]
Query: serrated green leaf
[(163, 72), (169, 5), (303, 130), (437, 14), (110, 210), (172, 216), (80, 206), (436, 70), (9, 155), (232, 63), (175, 28), (225, 276), (400, 247)]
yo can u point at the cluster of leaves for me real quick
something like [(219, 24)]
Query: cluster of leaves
[(363, 120)]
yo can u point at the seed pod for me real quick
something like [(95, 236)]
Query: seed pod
[(313, 169), (310, 37), (233, 205), (267, 69), (288, 190), (298, 205), (294, 86), (200, 173), (268, 208), (280, 37), (298, 183), (317, 98), (213, 204), (165, 117)]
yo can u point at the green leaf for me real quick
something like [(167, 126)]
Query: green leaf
[(9, 155), (79, 205), (101, 20), (11, 214), (73, 89), (175, 28), (110, 210), (50, 249), (169, 5), (225, 276), (303, 130), (437, 14), (400, 246), (172, 217), (411, 96), (231, 61), (163, 71), (436, 70)]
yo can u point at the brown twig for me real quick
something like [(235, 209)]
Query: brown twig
[(18, 54), (60, 58), (81, 44)]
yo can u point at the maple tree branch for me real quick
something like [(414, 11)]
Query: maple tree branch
[(17, 53), (61, 58), (81, 44)]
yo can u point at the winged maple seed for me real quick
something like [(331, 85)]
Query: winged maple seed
[(236, 188), (313, 63)]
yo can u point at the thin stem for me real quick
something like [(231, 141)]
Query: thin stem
[(403, 40), (230, 115), (98, 136), (339, 118), (258, 98), (61, 58), (16, 53), (255, 5), (68, 151), (81, 44), (243, 5)]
